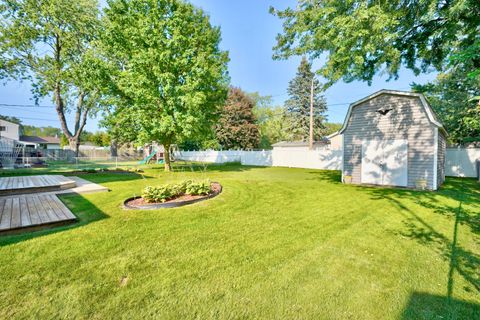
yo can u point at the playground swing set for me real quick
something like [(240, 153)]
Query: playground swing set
[(157, 155)]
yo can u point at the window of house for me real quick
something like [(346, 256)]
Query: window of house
[(3, 128)]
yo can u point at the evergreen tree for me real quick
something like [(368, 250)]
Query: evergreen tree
[(237, 127), (298, 105)]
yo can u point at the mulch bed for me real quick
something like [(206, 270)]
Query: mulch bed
[(140, 203)]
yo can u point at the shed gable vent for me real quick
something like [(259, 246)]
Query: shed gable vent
[(384, 110)]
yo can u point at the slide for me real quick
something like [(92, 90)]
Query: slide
[(147, 159)]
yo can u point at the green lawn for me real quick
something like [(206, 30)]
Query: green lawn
[(278, 243)]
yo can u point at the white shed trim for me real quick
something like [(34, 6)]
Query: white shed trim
[(343, 157), (435, 159), (425, 105)]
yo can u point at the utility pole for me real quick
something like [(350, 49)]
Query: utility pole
[(311, 115)]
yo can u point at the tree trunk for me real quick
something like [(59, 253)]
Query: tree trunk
[(74, 144), (113, 148), (166, 155)]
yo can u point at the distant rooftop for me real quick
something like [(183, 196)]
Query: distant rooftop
[(298, 143), (44, 140)]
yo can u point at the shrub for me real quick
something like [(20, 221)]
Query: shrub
[(198, 188), (182, 186), (159, 193), (168, 191)]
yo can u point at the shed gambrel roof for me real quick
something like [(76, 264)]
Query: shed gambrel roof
[(428, 109)]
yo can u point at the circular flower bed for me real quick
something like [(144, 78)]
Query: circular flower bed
[(177, 200)]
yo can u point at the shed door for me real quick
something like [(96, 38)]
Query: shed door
[(385, 162)]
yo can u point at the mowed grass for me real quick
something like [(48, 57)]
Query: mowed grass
[(278, 243)]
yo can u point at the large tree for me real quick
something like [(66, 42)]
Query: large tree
[(170, 74), (298, 103), (237, 127), (361, 38), (47, 42)]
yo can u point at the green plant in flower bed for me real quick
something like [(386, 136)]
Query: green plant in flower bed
[(198, 188), (168, 191), (183, 185), (159, 193)]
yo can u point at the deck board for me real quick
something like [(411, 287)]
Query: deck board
[(32, 211), (52, 203), (41, 212), (36, 204), (2, 205), (34, 184), (15, 220), (24, 212), (6, 214)]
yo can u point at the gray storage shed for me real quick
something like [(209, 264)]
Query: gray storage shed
[(393, 138)]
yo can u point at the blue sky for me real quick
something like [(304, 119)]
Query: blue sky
[(248, 33)]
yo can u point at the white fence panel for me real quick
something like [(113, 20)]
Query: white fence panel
[(257, 158), (311, 159), (314, 159), (460, 162), (210, 156)]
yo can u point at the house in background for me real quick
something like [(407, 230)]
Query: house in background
[(299, 145), (9, 130), (49, 143), (12, 131), (393, 138)]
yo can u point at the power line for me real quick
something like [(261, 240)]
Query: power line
[(29, 111), (39, 119), (25, 105)]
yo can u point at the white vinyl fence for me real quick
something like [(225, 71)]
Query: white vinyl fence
[(310, 159), (315, 159), (211, 156), (460, 162)]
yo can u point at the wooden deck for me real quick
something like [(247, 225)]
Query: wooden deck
[(31, 212), (34, 184)]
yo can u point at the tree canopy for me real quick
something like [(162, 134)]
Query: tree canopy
[(361, 38), (273, 122), (453, 97), (298, 103), (47, 43), (237, 127), (168, 70)]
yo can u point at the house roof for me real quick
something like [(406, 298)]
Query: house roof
[(330, 136), (430, 113), (297, 143), (14, 123), (43, 140)]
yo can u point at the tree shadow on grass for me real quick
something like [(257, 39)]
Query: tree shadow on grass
[(210, 167), (464, 211), (85, 211), (105, 177), (427, 306), (97, 177), (331, 176)]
